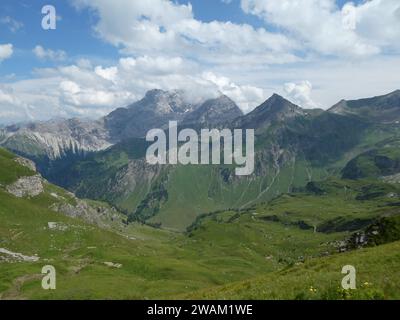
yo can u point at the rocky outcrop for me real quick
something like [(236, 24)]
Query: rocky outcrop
[(382, 231), (9, 256), (26, 163), (27, 187), (137, 174), (98, 215), (395, 178)]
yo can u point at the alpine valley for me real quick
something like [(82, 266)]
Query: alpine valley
[(325, 193)]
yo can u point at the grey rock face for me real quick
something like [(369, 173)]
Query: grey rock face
[(9, 256), (214, 112), (56, 138), (395, 178), (137, 174), (26, 187), (26, 163), (98, 215), (153, 111)]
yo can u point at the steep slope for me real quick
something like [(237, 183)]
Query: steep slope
[(275, 110), (19, 179), (56, 138)]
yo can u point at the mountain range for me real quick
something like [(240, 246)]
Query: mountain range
[(104, 159), (325, 186)]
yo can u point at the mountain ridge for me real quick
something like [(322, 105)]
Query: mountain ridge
[(383, 108), (293, 146), (55, 139)]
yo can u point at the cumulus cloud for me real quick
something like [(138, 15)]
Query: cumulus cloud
[(145, 27), (354, 30), (48, 54), (300, 94), (6, 51), (163, 45), (85, 90), (246, 96)]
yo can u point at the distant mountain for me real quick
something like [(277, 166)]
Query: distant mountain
[(291, 150), (275, 109), (57, 139), (384, 109), (153, 111), (293, 147), (213, 112)]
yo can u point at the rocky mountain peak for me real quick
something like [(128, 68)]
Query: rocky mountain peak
[(276, 105), (163, 102), (274, 109), (279, 103), (214, 111)]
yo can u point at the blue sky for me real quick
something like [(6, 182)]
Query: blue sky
[(105, 54), (74, 35)]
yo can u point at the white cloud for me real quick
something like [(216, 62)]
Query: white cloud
[(12, 109), (6, 51), (48, 54), (247, 97), (323, 27), (164, 46), (93, 91), (149, 27), (300, 94)]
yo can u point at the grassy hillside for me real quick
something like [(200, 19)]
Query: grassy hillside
[(154, 263), (377, 277), (384, 161), (279, 241), (9, 170)]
